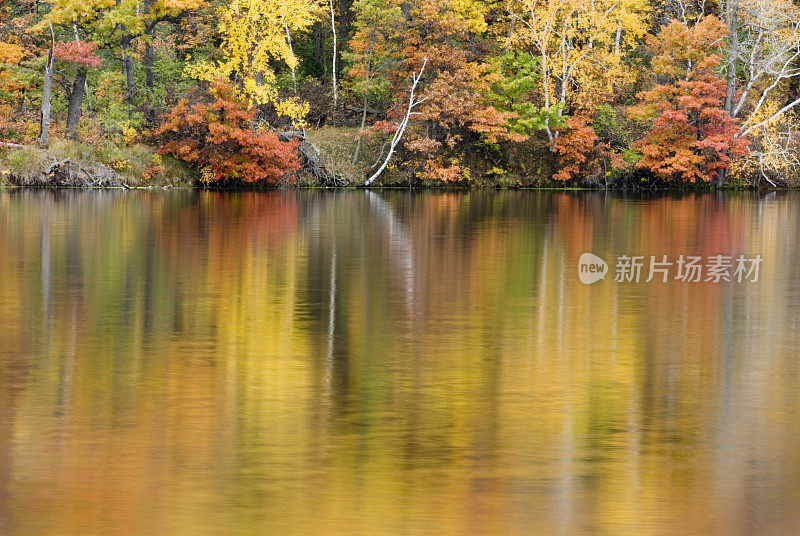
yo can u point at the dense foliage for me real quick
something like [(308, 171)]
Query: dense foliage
[(461, 91), (218, 137)]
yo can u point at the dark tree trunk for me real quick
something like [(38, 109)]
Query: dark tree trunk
[(318, 42), (344, 28), (719, 180), (130, 82), (127, 70), (75, 101), (149, 81), (149, 60)]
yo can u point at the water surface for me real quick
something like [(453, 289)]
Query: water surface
[(394, 363)]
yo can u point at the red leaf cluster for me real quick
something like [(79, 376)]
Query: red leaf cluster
[(78, 52), (692, 137), (216, 135), (387, 127)]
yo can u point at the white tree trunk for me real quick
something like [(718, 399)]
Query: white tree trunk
[(47, 93), (412, 103), (335, 52), (291, 50)]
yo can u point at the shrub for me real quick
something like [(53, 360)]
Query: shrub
[(216, 135), (582, 153)]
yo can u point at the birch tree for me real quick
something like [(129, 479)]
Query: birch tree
[(580, 46), (763, 50), (47, 93), (413, 102)]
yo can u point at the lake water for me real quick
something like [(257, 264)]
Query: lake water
[(395, 363)]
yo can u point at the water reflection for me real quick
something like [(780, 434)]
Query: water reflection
[(393, 363)]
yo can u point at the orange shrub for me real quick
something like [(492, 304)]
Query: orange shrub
[(216, 135)]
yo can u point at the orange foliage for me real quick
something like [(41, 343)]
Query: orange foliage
[(457, 103), (582, 153), (217, 136), (438, 170), (12, 91), (692, 136), (456, 113)]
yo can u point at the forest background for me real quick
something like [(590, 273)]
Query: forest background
[(599, 93)]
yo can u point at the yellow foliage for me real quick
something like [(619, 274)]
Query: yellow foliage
[(773, 144), (472, 12), (10, 54), (255, 38), (294, 108), (129, 134), (173, 7), (581, 45), (69, 11), (206, 175)]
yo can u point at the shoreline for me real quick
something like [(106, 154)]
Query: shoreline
[(414, 188), (78, 165)]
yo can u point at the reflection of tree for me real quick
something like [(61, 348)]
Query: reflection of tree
[(400, 248), (13, 376)]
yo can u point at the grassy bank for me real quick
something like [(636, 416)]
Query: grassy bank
[(480, 169), (136, 165)]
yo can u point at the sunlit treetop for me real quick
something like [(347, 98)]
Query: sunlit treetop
[(254, 34)]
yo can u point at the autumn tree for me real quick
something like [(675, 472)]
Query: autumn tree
[(457, 112), (79, 57), (762, 66), (374, 53), (11, 56), (692, 137), (77, 19), (126, 22), (255, 37)]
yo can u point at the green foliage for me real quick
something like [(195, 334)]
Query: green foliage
[(609, 126), (169, 82), (631, 156), (111, 114), (518, 78), (373, 49)]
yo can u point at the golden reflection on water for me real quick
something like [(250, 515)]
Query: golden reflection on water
[(393, 363)]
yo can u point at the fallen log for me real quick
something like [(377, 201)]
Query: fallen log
[(12, 145)]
